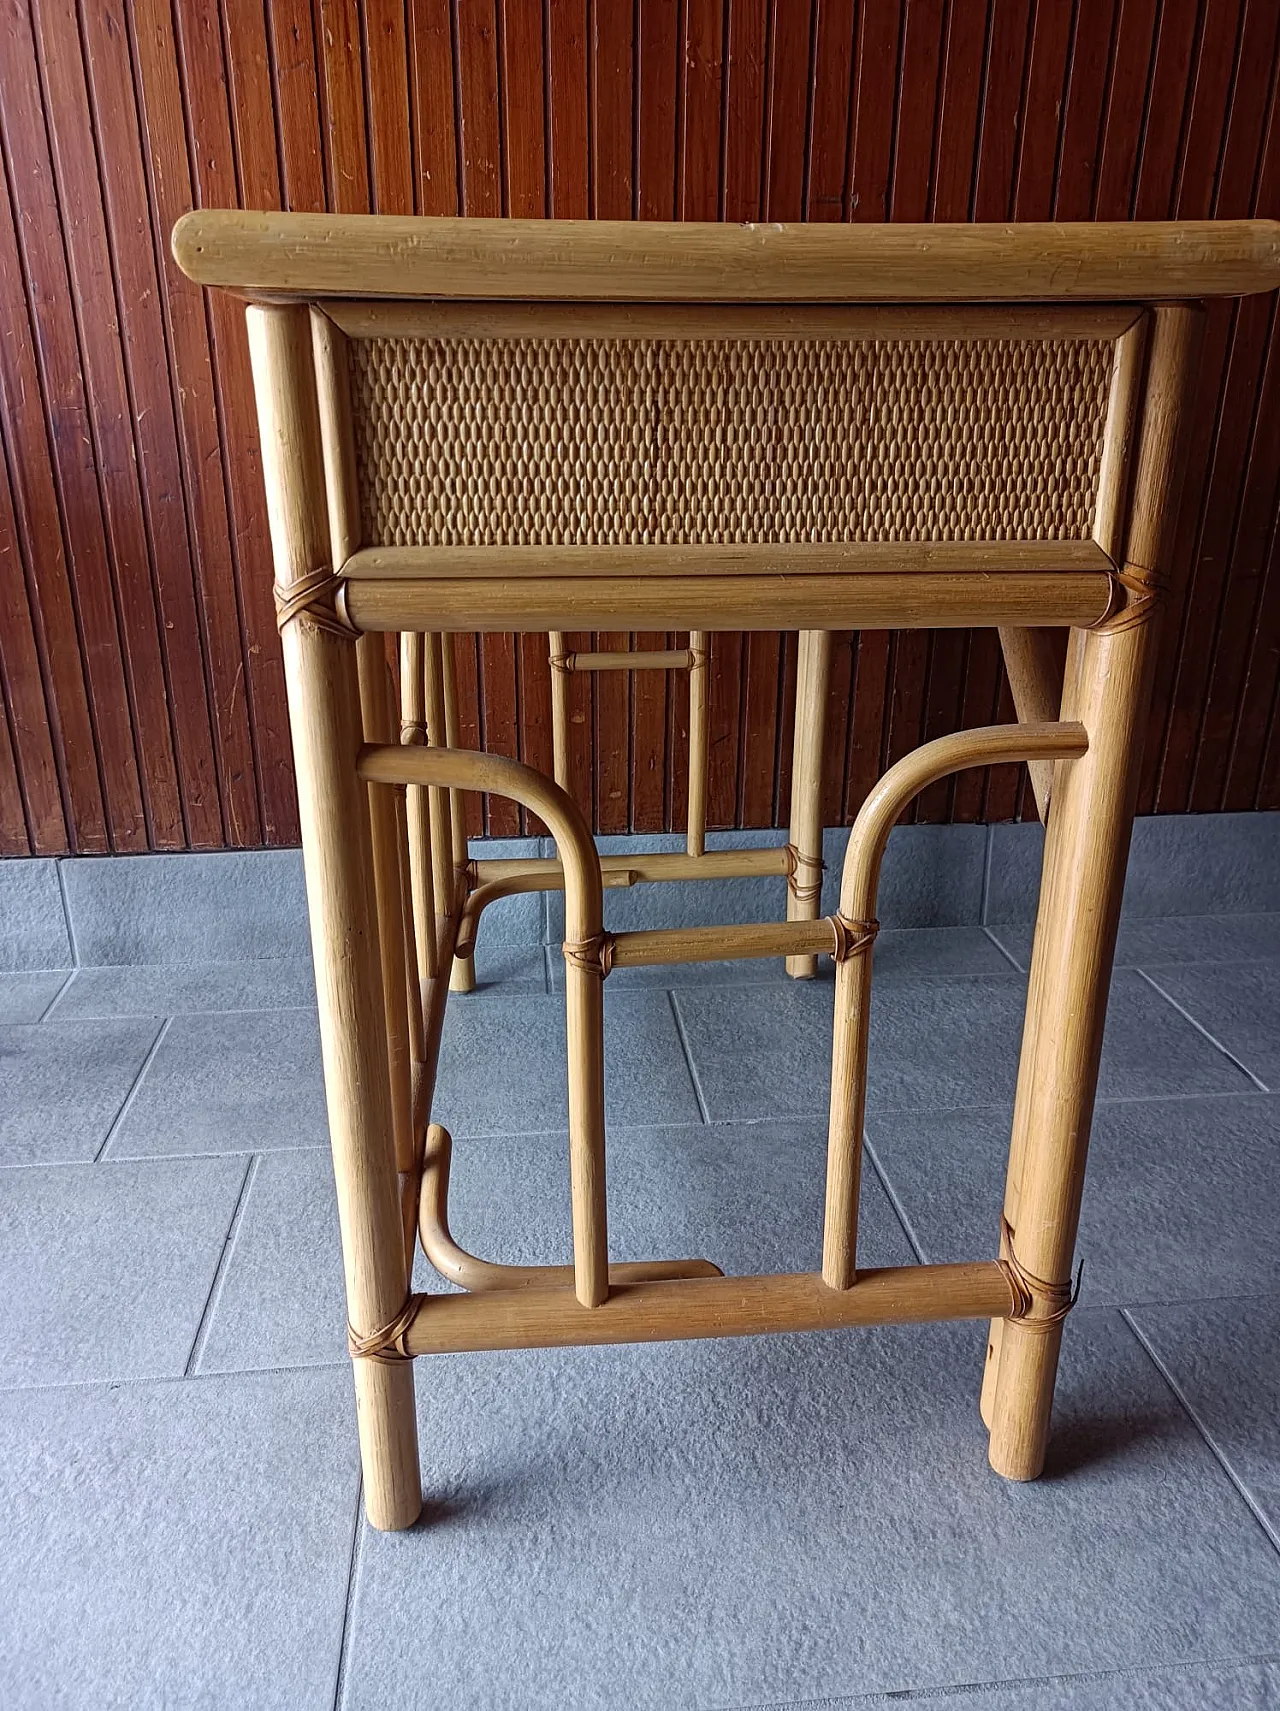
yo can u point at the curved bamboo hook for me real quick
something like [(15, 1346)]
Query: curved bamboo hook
[(463, 769), (987, 746)]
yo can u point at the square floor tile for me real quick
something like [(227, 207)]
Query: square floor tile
[(508, 968), (167, 990), (1175, 939), (246, 1082), (214, 906), (601, 1518), (25, 994), (502, 1064), (282, 1299), (1180, 1195), (62, 1084), (33, 924), (176, 1544), (934, 1045), (1224, 1358), (1238, 1004), (105, 1269)]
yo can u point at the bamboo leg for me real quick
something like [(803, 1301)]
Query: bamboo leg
[(559, 709), (413, 729), (1085, 850), (439, 801), (804, 888), (1032, 658), (699, 741), (324, 708), (376, 717), (462, 976)]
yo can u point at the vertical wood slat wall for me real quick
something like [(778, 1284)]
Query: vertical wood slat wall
[(143, 703)]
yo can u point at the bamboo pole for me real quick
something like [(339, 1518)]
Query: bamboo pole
[(864, 853), (324, 707), (658, 945), (684, 1308), (699, 658), (472, 1273), (413, 729), (462, 976), (1033, 661), (440, 805), (559, 708), (804, 884), (540, 873), (584, 985), (672, 659), (1085, 849)]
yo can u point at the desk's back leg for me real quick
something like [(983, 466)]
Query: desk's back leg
[(804, 887)]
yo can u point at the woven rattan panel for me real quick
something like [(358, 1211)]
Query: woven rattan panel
[(595, 442)]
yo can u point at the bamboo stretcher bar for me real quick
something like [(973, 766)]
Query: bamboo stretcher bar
[(767, 601), (544, 873), (617, 260), (673, 659), (658, 945), (688, 1308)]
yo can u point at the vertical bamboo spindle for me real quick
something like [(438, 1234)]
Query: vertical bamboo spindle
[(699, 741), (1032, 659), (324, 709), (559, 709), (440, 801), (804, 888), (413, 724), (1085, 848), (376, 717), (462, 976)]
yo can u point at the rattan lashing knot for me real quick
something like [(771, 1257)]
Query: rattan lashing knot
[(389, 1343), (809, 890), (320, 597), (1037, 1306), (851, 937), (594, 955), (1138, 591)]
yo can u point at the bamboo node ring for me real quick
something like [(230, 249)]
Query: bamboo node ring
[(320, 597), (1054, 1300), (560, 662), (809, 890), (594, 955), (389, 1343), (413, 731), (851, 937), (1138, 591)]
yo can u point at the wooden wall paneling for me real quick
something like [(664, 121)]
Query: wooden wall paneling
[(69, 444), (171, 192), (1259, 532), (109, 420), (296, 86), (39, 826), (522, 90), (233, 157), (1209, 575), (390, 97), (434, 116), (1125, 112)]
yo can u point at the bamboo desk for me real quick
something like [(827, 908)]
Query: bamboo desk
[(519, 425)]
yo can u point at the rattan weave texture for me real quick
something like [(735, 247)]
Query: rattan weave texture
[(630, 442)]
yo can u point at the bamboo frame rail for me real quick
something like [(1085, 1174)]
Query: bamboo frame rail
[(1074, 343)]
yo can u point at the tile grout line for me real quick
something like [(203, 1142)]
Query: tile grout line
[(49, 1007), (220, 1270), (1004, 951), (66, 914), (985, 897), (891, 1195), (1218, 1454), (353, 1573), (1200, 1027), (129, 1097), (688, 1056)]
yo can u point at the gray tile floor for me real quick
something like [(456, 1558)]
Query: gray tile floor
[(779, 1522)]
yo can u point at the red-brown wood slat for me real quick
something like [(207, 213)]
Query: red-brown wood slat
[(137, 650), (74, 485)]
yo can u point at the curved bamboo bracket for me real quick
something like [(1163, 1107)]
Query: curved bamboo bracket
[(860, 881), (463, 769), (478, 1275)]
